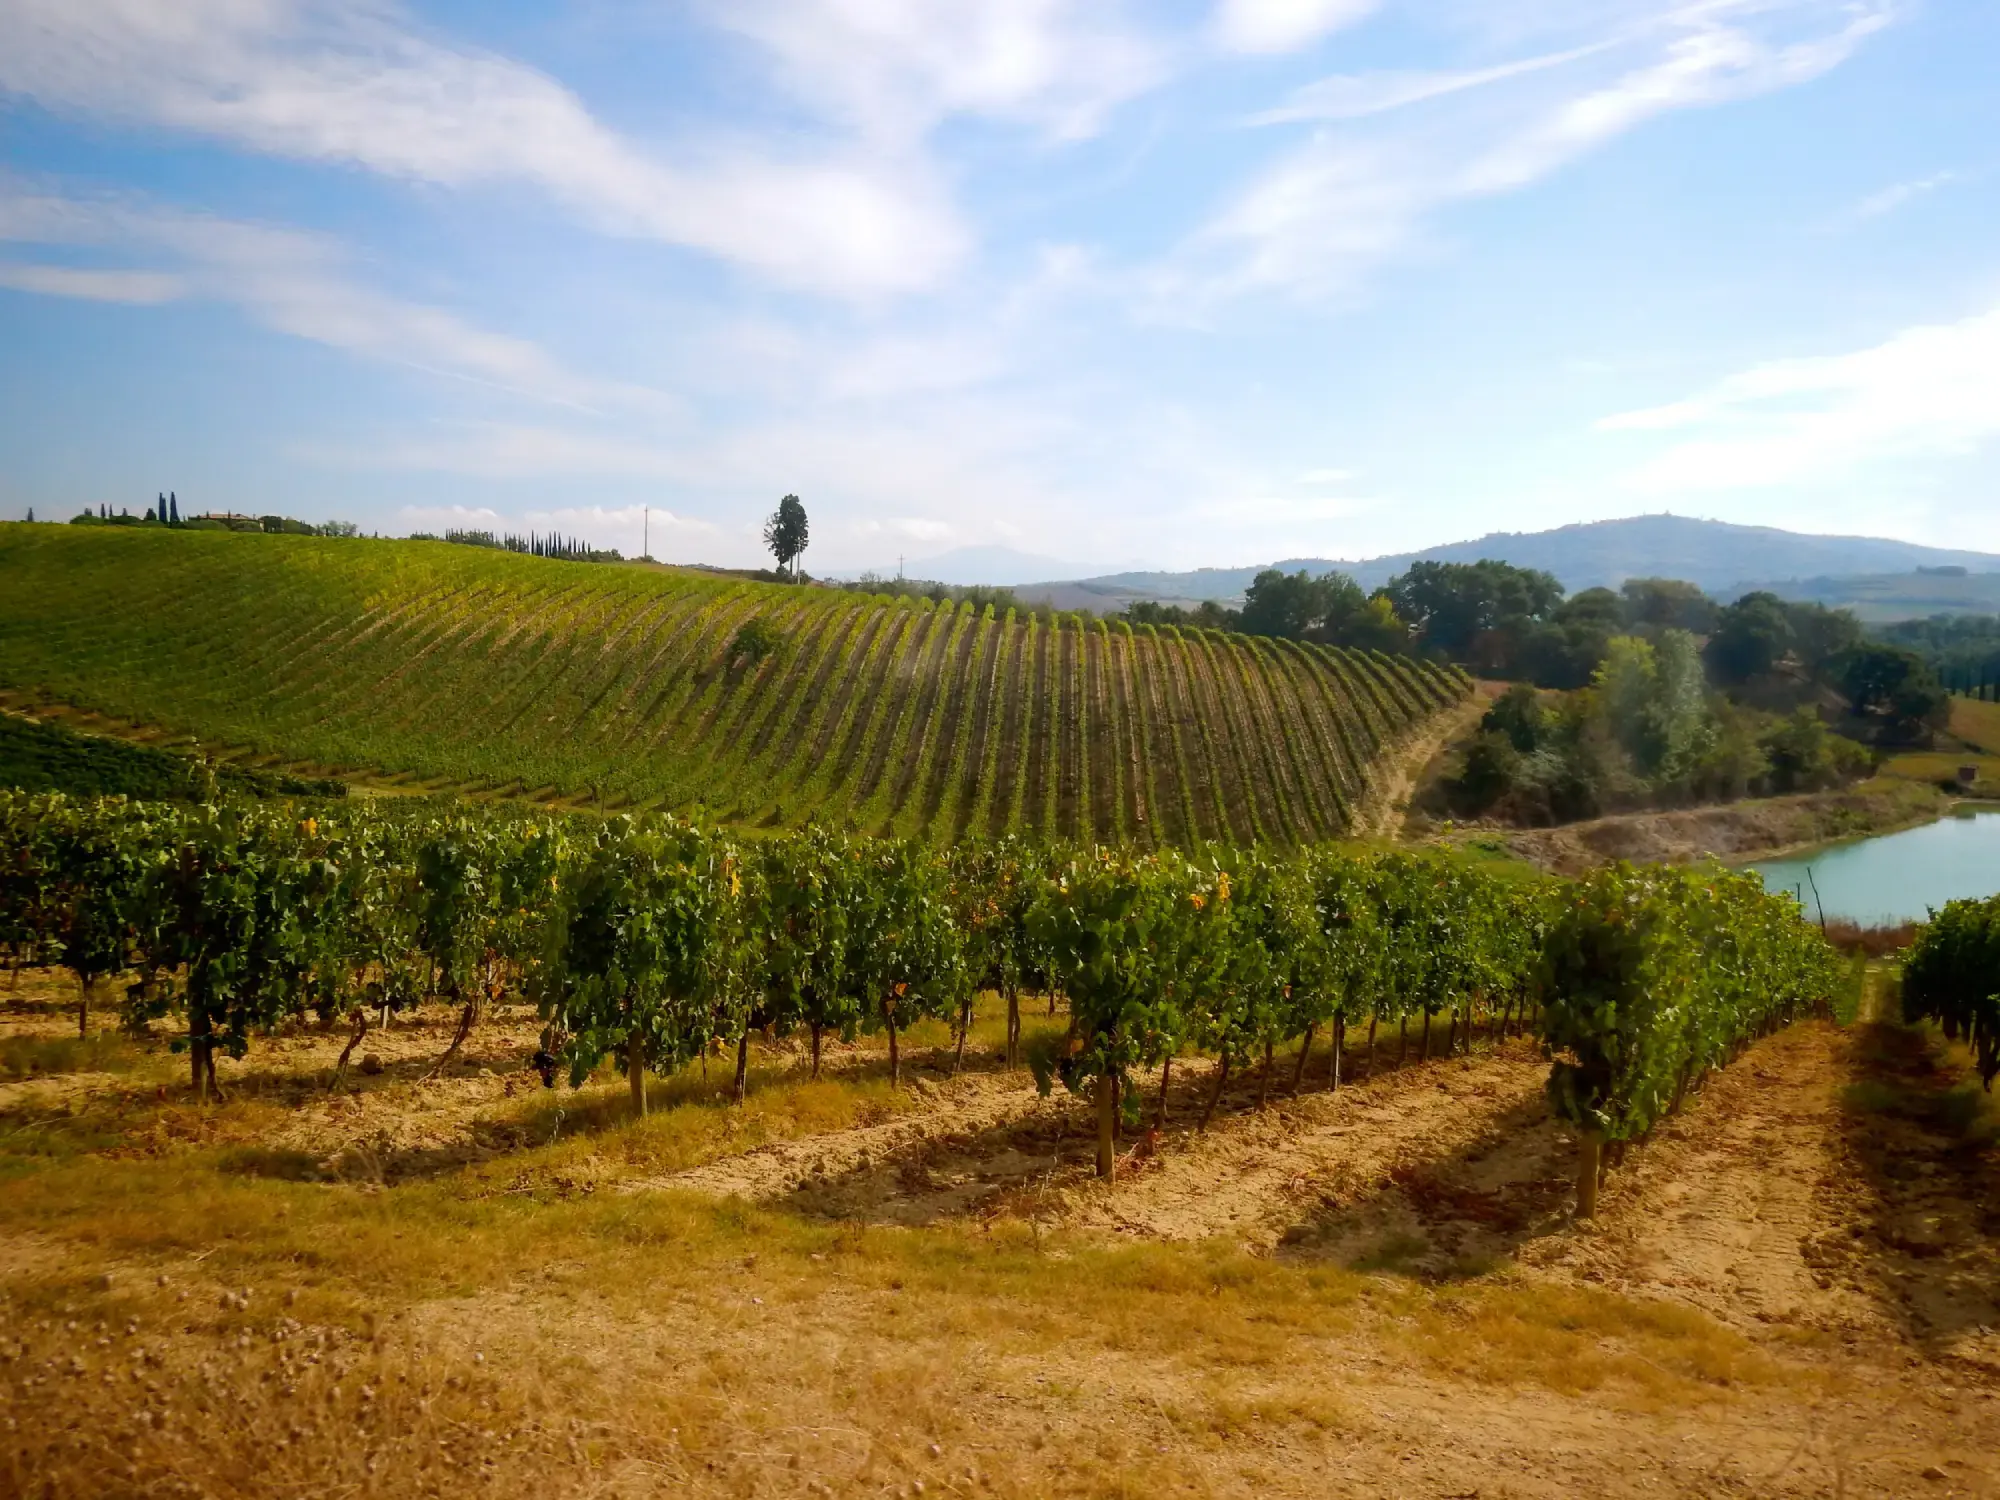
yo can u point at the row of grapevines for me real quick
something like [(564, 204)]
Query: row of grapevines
[(1654, 976), (651, 939), (1952, 976)]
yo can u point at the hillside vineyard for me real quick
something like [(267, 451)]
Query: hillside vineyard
[(621, 686)]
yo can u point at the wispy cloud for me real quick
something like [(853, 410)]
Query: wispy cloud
[(1894, 197), (1928, 392), (1357, 96), (1350, 199), (1714, 54), (290, 282), (356, 84), (896, 68), (138, 287), (1284, 25)]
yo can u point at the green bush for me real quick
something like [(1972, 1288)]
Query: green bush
[(42, 757)]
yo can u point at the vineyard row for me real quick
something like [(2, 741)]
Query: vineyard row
[(652, 940), (630, 689)]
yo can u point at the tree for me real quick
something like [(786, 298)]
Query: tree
[(1751, 637), (1821, 636), (1479, 612), (785, 533), (1896, 685), (1627, 684), (31, 515), (1653, 604), (1329, 609), (1492, 767), (1687, 729), (754, 640), (1285, 604), (1518, 715)]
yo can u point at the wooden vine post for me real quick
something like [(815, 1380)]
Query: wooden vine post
[(1107, 1125), (1589, 1167)]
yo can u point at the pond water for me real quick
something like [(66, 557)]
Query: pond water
[(1898, 876)]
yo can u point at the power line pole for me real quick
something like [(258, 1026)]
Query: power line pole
[(646, 545)]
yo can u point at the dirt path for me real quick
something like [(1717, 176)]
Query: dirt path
[(1397, 775), (958, 1149), (988, 1145), (1727, 1207), (1290, 1172)]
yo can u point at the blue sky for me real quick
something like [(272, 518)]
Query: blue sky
[(1167, 284)]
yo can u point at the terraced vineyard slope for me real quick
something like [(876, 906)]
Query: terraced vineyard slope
[(622, 686)]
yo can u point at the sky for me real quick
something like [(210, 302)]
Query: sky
[(1191, 282)]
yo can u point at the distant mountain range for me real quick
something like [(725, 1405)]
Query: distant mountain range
[(1721, 558), (993, 566)]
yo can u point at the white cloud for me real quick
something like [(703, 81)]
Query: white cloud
[(1928, 392), (1894, 197), (1357, 96), (140, 287), (325, 81), (895, 68), (1284, 25), (292, 283), (914, 528), (1715, 57), (1350, 199)]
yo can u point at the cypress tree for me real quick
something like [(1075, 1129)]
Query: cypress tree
[(174, 507)]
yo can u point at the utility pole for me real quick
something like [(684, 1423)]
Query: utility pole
[(646, 545), (899, 567)]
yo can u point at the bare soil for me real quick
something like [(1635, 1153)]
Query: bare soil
[(1791, 1290), (1395, 777), (1758, 828)]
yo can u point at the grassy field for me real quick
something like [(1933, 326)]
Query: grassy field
[(1978, 724), (620, 686)]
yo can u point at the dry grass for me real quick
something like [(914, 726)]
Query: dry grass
[(189, 1309), (1875, 941), (1941, 767), (1978, 724), (27, 1055), (1573, 1340)]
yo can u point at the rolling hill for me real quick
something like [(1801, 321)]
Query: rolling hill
[(1879, 598), (1718, 556), (621, 686)]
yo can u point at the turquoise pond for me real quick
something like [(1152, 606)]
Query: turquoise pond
[(1897, 877)]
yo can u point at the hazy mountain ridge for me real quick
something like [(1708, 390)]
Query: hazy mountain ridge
[(1719, 556)]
